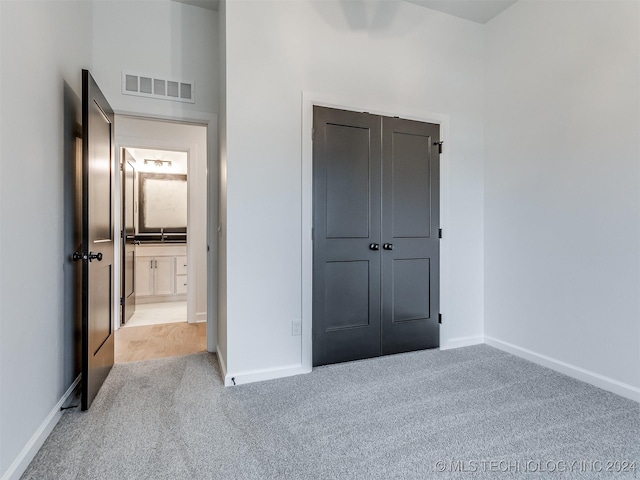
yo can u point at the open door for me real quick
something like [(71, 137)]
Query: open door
[(128, 295), (97, 239)]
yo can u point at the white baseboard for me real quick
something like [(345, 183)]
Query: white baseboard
[(461, 342), (251, 376), (600, 381), (29, 451), (223, 367), (201, 317)]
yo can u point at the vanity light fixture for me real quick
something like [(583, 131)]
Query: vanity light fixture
[(157, 163)]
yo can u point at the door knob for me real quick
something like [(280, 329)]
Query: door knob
[(374, 246), (95, 256), (388, 246), (78, 256), (83, 256)]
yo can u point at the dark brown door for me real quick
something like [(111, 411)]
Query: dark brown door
[(346, 255), (97, 239), (128, 297), (410, 226), (376, 246)]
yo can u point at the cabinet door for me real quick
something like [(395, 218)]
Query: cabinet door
[(164, 275), (144, 276)]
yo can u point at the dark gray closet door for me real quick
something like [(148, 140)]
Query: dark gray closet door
[(410, 225), (346, 261), (376, 243)]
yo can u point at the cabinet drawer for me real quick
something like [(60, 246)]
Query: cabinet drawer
[(181, 284), (181, 265)]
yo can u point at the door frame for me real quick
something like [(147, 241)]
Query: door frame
[(311, 99), (210, 121), (122, 170)]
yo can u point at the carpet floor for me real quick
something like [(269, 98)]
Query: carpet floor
[(473, 412)]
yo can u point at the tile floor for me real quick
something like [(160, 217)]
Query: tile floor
[(158, 314)]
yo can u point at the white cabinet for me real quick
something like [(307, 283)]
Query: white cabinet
[(144, 276), (165, 276), (161, 272)]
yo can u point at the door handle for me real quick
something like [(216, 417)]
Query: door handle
[(388, 246), (95, 256), (374, 246), (78, 256)]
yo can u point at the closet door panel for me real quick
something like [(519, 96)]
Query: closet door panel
[(346, 269), (410, 223), (410, 283), (347, 181), (410, 186)]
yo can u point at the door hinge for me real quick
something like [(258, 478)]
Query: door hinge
[(439, 144), (313, 134), (121, 233), (439, 233), (122, 167), (121, 301), (440, 318)]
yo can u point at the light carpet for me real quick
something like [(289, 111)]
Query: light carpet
[(421, 415)]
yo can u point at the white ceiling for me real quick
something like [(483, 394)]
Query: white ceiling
[(209, 4), (480, 11)]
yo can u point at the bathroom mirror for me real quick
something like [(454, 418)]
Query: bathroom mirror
[(163, 203)]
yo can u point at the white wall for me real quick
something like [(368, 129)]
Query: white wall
[(44, 45), (371, 53), (562, 187), (137, 132), (160, 38)]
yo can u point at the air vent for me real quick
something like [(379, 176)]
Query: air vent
[(151, 87)]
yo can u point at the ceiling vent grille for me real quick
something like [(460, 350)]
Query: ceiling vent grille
[(151, 87)]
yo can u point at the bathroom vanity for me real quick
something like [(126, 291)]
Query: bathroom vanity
[(160, 272)]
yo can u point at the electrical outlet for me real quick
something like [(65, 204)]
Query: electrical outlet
[(296, 327)]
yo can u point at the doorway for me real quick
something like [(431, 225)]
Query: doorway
[(163, 250), (375, 235), (155, 236)]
